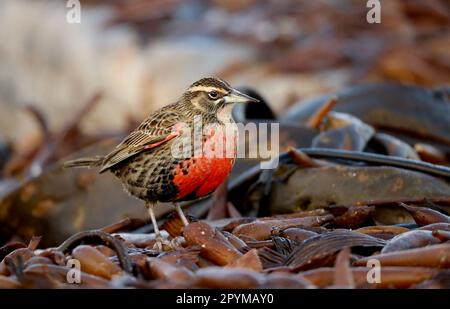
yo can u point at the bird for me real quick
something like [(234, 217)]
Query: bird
[(167, 158)]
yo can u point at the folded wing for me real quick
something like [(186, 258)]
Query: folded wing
[(157, 129)]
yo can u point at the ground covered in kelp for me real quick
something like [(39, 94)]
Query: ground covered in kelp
[(309, 249)]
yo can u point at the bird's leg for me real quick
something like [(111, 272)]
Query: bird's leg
[(179, 241), (160, 241), (181, 214)]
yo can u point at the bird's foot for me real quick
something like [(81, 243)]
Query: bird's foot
[(163, 244), (178, 242)]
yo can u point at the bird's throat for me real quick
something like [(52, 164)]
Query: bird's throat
[(224, 114)]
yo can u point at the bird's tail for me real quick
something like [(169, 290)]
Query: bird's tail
[(84, 162)]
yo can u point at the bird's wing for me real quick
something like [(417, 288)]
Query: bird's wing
[(157, 129)]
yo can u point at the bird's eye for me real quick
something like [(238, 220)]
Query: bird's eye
[(213, 95)]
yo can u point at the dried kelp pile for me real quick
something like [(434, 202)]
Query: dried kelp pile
[(303, 250)]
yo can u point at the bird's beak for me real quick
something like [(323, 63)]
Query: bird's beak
[(239, 97)]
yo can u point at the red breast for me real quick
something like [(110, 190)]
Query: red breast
[(204, 173)]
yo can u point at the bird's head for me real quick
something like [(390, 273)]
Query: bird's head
[(213, 95)]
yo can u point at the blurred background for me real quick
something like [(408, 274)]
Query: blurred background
[(141, 54), (64, 85)]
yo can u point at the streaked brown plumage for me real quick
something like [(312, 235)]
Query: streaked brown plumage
[(144, 163)]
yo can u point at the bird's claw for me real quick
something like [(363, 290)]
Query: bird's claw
[(178, 242), (163, 243), (160, 243)]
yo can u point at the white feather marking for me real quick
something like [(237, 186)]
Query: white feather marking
[(207, 89)]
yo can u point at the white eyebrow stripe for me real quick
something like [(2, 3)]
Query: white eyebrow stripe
[(207, 89)]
